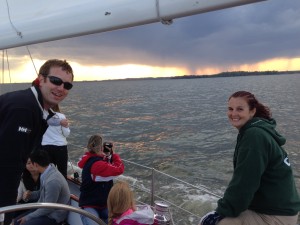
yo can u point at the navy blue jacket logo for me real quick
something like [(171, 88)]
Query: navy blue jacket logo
[(24, 130)]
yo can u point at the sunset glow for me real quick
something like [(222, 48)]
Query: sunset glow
[(280, 64), (25, 72)]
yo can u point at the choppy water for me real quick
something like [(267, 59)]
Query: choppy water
[(178, 126)]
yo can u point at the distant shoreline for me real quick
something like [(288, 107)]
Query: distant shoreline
[(238, 74), (222, 74)]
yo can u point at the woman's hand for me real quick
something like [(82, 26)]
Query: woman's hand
[(211, 218), (26, 195)]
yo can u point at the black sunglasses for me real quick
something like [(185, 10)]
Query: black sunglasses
[(57, 81)]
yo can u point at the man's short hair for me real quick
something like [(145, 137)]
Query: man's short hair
[(40, 157), (45, 68)]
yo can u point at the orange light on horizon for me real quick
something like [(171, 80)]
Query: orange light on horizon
[(278, 64), (23, 70), (123, 72)]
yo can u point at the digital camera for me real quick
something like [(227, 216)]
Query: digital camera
[(107, 147)]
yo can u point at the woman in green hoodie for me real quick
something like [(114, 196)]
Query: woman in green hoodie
[(262, 189)]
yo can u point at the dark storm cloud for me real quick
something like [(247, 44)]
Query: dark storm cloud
[(241, 35)]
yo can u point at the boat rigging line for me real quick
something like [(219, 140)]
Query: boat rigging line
[(31, 59), (4, 54), (19, 33), (2, 66)]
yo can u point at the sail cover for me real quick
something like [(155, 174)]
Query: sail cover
[(35, 21)]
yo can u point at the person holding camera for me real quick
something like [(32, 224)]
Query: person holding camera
[(100, 165)]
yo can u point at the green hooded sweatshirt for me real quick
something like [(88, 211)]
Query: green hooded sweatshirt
[(262, 179)]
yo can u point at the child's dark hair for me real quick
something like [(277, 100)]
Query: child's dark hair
[(40, 157)]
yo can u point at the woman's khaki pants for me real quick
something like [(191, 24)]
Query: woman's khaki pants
[(252, 218)]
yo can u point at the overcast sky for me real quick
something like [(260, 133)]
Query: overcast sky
[(222, 40)]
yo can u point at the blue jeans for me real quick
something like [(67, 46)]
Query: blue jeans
[(45, 220), (100, 213)]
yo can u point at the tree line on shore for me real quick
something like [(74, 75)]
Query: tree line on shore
[(238, 73)]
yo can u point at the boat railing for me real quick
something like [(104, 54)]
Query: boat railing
[(68, 208), (188, 202)]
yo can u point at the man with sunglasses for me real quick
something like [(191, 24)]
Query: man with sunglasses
[(23, 116)]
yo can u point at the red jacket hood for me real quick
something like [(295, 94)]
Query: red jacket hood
[(85, 158)]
